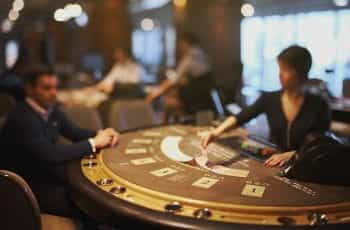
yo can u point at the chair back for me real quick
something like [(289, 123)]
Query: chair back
[(130, 114), (7, 103), (19, 209)]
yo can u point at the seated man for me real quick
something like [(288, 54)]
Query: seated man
[(29, 143)]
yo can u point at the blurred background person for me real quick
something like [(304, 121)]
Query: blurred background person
[(124, 80), (192, 80)]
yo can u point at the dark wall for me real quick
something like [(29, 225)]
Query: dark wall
[(109, 27), (217, 26)]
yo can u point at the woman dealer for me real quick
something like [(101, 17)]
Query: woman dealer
[(292, 113)]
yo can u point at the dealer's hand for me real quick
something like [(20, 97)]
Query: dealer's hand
[(278, 160), (268, 151), (208, 138)]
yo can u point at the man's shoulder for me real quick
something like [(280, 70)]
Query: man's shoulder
[(21, 114), (20, 110)]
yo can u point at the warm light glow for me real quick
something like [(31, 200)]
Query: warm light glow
[(60, 15), (247, 10), (6, 26), (147, 24), (73, 10), (13, 15), (70, 11), (82, 20), (180, 3), (18, 5)]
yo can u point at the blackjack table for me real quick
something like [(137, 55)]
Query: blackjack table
[(161, 177)]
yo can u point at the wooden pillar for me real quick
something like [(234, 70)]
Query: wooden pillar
[(216, 24), (109, 27)]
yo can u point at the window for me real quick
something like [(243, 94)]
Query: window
[(11, 53), (150, 48), (263, 38), (147, 46)]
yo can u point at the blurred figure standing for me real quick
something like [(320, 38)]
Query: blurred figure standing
[(192, 79)]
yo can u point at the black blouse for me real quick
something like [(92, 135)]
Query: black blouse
[(314, 116)]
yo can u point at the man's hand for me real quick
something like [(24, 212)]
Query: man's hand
[(278, 160), (114, 136), (106, 138)]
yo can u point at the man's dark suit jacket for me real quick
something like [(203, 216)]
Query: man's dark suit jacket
[(28, 145)]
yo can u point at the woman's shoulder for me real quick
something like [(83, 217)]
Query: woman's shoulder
[(316, 99)]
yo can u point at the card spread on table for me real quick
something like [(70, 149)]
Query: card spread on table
[(143, 161), (205, 182), (230, 172), (163, 172)]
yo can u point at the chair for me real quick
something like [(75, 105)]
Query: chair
[(130, 114), (2, 122), (84, 117), (7, 103), (318, 87), (20, 209)]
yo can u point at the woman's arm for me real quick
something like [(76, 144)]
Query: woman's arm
[(173, 78), (226, 125), (160, 90), (233, 121), (324, 116)]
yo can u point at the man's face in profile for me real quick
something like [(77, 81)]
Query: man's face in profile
[(44, 90)]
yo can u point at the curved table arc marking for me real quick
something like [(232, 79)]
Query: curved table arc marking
[(171, 149)]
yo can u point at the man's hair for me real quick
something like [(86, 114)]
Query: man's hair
[(298, 58), (34, 74)]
